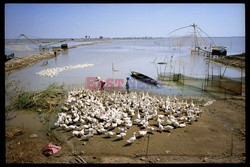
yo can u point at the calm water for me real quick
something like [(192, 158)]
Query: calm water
[(137, 55)]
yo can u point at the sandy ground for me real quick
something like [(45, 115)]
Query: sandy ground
[(217, 137)]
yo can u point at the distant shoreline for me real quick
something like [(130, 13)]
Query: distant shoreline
[(30, 60), (94, 39)]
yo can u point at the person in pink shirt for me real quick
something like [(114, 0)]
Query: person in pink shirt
[(101, 82)]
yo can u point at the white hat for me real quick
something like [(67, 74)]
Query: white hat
[(98, 78)]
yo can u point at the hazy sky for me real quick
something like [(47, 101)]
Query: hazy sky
[(121, 20)]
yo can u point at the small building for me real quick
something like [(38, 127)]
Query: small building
[(64, 46), (9, 55), (219, 50)]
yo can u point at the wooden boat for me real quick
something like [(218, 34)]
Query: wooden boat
[(144, 78)]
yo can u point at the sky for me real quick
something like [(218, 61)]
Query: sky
[(121, 20)]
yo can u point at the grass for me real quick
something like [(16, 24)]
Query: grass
[(39, 99)]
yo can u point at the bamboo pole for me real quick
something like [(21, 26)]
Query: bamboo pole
[(147, 146)]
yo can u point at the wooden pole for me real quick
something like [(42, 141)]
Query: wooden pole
[(212, 75), (212, 72), (147, 146), (241, 80), (232, 146), (208, 70), (220, 72), (183, 74)]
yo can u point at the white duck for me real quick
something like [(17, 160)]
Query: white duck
[(142, 132), (138, 116), (101, 130), (121, 135), (122, 130), (160, 127), (150, 128), (87, 137), (168, 127), (75, 133), (110, 134), (132, 139), (182, 125), (175, 123)]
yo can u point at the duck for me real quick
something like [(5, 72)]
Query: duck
[(81, 133), (168, 127), (175, 123), (75, 133), (138, 116), (77, 118), (182, 125), (114, 125), (150, 128), (142, 132), (137, 121), (71, 127), (129, 124), (132, 139), (168, 122), (132, 112), (87, 137), (192, 104), (121, 135), (159, 120), (110, 134), (160, 127), (122, 130), (175, 99)]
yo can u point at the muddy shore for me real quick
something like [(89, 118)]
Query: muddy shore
[(217, 137), (237, 61), (20, 63)]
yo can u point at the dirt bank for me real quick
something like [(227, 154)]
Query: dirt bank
[(217, 137), (20, 63), (231, 60)]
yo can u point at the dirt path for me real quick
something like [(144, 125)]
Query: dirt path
[(217, 137)]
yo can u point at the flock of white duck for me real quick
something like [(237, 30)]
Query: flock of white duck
[(90, 112), (51, 72)]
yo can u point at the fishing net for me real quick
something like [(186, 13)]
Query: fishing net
[(20, 48)]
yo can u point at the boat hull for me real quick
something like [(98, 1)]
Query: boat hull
[(144, 78)]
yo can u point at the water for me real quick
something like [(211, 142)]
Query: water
[(24, 47), (137, 55)]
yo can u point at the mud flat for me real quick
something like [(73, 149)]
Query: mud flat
[(231, 60), (217, 137)]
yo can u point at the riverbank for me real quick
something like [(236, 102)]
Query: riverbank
[(217, 137), (20, 63), (27, 61), (237, 60)]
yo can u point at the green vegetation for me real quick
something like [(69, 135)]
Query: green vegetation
[(48, 99)]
